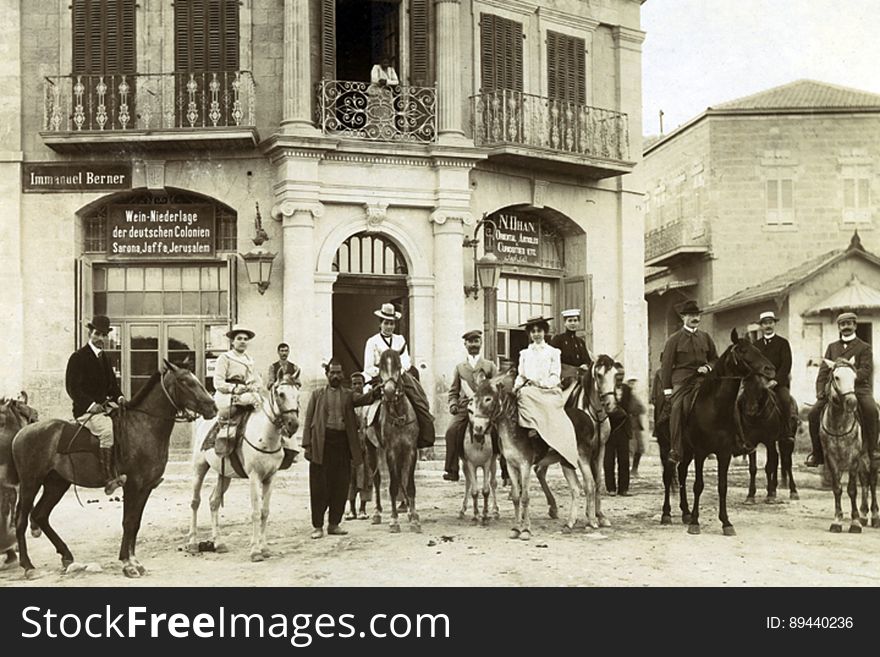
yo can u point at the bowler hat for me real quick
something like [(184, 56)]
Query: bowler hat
[(845, 316), (531, 321), (387, 311), (100, 323), (470, 335), (239, 328), (688, 307)]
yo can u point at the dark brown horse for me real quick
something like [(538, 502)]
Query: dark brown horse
[(762, 423), (709, 428), (142, 431), (399, 435), (14, 415)]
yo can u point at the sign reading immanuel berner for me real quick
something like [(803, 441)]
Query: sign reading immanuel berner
[(42, 177), (160, 231)]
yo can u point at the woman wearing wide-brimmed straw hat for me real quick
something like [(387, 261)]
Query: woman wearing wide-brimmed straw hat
[(376, 345), (539, 398), (236, 381)]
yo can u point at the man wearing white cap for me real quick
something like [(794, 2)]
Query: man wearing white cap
[(848, 347), (574, 353), (777, 350), (236, 384)]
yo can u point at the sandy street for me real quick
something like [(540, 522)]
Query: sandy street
[(785, 544)]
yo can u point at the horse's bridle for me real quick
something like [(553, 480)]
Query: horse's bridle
[(396, 420), (276, 415)]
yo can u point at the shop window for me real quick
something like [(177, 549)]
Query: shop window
[(520, 298), (134, 291)]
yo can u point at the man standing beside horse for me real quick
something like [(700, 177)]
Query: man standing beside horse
[(282, 366), (849, 347), (91, 384)]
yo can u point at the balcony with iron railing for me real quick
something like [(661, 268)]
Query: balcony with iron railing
[(151, 110), (360, 110), (517, 125), (676, 241)]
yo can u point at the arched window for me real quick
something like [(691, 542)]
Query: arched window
[(365, 253)]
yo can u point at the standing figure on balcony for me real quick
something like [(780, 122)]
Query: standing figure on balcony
[(384, 85)]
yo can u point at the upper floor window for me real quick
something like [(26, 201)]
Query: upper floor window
[(103, 37), (566, 68), (501, 53), (206, 34), (857, 199), (780, 201)]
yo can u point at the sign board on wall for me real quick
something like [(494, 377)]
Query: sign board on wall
[(49, 177), (160, 231), (516, 237)]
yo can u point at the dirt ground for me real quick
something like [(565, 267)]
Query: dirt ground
[(784, 544)]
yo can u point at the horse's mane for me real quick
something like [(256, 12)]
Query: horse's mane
[(22, 413), (141, 394)]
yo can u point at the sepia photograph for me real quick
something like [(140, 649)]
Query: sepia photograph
[(439, 293)]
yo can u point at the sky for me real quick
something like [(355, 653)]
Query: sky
[(699, 53)]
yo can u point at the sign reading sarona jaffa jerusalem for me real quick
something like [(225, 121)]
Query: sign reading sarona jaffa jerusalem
[(145, 230)]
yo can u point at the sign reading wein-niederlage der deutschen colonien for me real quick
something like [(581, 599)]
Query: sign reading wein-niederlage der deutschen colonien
[(160, 231)]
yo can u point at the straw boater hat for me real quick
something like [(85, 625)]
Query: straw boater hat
[(848, 315), (531, 321), (571, 312), (238, 328), (769, 314), (387, 311), (100, 323)]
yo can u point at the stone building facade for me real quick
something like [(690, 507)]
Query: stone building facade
[(525, 113)]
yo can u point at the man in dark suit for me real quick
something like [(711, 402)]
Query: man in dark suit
[(617, 447), (688, 353), (91, 384), (849, 347), (281, 365), (465, 379), (331, 445), (574, 353), (777, 350)]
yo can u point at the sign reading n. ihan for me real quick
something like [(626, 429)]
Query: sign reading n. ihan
[(49, 177), (516, 238), (153, 231)]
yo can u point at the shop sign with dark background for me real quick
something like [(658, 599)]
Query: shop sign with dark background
[(516, 237), (160, 231), (48, 177)]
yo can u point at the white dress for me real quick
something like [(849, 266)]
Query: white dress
[(540, 400), (377, 345)]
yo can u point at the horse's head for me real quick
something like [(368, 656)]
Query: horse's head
[(389, 365), (185, 391), (16, 412), (755, 391), (285, 402), (742, 358), (488, 403), (601, 377), (841, 386)]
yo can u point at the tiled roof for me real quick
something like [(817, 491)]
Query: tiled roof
[(803, 94), (853, 296)]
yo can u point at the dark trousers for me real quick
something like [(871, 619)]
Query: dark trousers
[(617, 450), (455, 444), (328, 481), (869, 420)]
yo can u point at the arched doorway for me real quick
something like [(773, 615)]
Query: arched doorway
[(175, 302), (371, 271)]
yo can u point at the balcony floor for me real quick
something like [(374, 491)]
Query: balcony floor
[(180, 139), (554, 160)]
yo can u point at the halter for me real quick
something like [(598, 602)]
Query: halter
[(397, 420)]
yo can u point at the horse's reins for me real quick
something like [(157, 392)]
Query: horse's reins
[(276, 417), (398, 420), (839, 395)]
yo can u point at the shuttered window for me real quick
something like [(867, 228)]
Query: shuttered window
[(566, 68), (103, 37), (206, 35), (419, 39), (501, 53)]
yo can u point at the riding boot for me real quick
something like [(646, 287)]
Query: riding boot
[(675, 433), (815, 458), (112, 479)]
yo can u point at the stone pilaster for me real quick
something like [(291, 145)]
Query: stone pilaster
[(297, 89), (449, 94)]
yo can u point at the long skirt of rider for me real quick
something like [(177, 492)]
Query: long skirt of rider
[(542, 409)]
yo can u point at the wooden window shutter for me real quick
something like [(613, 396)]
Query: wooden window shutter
[(566, 68), (553, 64), (501, 53), (80, 37), (206, 35), (487, 53), (419, 38), (328, 39), (128, 60), (577, 292), (231, 60), (103, 37)]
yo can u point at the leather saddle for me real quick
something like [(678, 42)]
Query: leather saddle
[(76, 438), (221, 445)]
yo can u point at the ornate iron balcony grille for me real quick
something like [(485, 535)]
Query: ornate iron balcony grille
[(366, 111), (513, 117), (151, 101)]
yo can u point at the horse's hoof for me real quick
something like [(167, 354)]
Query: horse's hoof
[(65, 563), (855, 529), (141, 569), (553, 512), (496, 514), (728, 531), (415, 528), (793, 495), (377, 519), (875, 522), (525, 535), (750, 500), (514, 533), (130, 571), (591, 524), (604, 522), (9, 563), (36, 532), (835, 529), (395, 529), (693, 529), (475, 520), (192, 548), (31, 573), (484, 521), (685, 518), (864, 522), (220, 547), (266, 552), (257, 557), (666, 519), (771, 500), (461, 515)]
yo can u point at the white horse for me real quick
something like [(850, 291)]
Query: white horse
[(260, 454)]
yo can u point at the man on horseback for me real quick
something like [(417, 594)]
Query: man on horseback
[(688, 354), (91, 384), (467, 373), (574, 355), (236, 384), (385, 339), (849, 347), (777, 350)]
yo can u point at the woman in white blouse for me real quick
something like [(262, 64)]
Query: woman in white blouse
[(539, 398)]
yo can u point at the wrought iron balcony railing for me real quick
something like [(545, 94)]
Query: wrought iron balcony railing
[(149, 101), (677, 238), (366, 111), (512, 117)]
